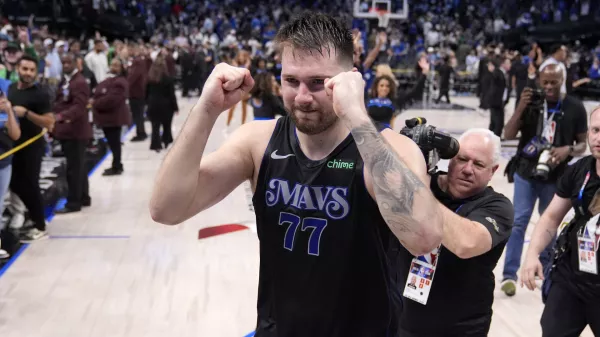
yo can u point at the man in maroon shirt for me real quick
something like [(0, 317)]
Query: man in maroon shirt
[(74, 131)]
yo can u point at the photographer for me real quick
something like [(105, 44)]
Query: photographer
[(553, 130), (461, 269), (574, 288)]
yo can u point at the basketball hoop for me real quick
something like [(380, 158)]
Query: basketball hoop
[(383, 10), (382, 15), (384, 18)]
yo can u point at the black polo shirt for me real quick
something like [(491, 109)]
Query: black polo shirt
[(34, 98), (462, 293), (585, 285)]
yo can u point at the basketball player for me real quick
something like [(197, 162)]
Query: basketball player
[(330, 190)]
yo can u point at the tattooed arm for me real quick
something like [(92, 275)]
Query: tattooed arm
[(395, 175), (395, 171)]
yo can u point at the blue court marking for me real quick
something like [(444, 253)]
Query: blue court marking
[(250, 334), (13, 258), (61, 204)]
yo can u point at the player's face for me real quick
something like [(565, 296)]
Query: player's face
[(303, 77), (594, 134), (472, 168)]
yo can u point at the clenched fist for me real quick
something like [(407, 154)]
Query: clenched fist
[(225, 87), (347, 92)]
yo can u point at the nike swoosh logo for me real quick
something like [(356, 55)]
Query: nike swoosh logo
[(274, 155)]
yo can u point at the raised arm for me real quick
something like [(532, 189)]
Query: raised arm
[(395, 170), (186, 182)]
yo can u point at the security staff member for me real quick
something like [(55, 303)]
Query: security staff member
[(461, 269), (573, 297), (74, 131), (561, 123)]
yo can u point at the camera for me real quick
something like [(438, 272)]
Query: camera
[(434, 144), (543, 167), (537, 99), (539, 148)]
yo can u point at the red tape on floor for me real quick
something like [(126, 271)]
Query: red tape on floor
[(219, 230)]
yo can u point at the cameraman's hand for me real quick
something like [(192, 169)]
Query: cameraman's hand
[(525, 98), (559, 154)]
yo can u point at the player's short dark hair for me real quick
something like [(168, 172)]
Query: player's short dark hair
[(317, 32), (29, 58)]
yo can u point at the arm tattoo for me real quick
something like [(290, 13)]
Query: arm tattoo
[(394, 183)]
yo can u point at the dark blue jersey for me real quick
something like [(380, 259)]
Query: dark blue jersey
[(323, 243)]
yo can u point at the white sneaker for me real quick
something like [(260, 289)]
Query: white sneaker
[(34, 234), (3, 253)]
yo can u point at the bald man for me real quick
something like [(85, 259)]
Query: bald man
[(563, 125), (558, 58), (471, 243)]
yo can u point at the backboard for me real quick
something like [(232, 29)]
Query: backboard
[(383, 10)]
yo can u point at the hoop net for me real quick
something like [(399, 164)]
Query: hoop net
[(383, 16)]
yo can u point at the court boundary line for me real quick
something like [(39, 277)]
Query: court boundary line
[(49, 219)]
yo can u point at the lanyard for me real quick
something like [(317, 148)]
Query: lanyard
[(458, 209), (580, 195), (549, 115)]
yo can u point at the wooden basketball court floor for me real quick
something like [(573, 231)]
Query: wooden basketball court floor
[(111, 271)]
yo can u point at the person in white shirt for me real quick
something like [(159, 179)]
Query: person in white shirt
[(558, 56), (97, 61)]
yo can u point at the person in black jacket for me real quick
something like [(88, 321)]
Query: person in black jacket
[(444, 71), (496, 96), (162, 103)]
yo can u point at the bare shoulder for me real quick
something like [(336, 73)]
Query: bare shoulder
[(253, 138)]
